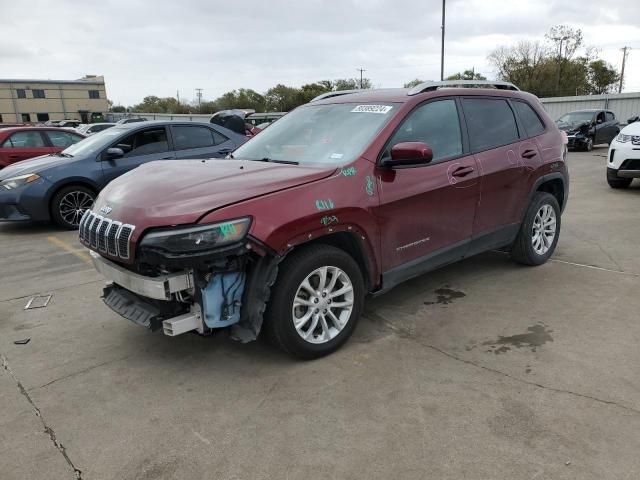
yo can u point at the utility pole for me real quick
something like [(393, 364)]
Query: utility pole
[(442, 46), (178, 96), (561, 39), (360, 70), (624, 58), (199, 96)]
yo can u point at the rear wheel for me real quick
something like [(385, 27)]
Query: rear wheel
[(316, 302), (69, 204), (615, 181), (539, 231)]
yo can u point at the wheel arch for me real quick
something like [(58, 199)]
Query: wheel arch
[(70, 183), (553, 183)]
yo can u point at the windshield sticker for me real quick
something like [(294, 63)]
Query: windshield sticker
[(324, 204), (336, 156), (372, 109)]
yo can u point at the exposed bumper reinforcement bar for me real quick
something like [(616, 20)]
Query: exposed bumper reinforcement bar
[(159, 288)]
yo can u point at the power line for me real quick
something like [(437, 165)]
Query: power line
[(199, 96), (624, 58)]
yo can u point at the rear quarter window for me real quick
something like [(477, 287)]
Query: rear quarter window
[(529, 118), (490, 123)]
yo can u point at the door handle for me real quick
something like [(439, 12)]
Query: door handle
[(462, 171), (529, 154)]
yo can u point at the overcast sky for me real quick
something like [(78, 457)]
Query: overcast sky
[(161, 46)]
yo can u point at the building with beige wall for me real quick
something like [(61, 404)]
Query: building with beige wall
[(34, 101)]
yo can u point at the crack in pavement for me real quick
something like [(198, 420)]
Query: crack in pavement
[(47, 429), (403, 333), (73, 374)]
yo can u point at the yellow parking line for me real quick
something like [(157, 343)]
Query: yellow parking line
[(81, 254)]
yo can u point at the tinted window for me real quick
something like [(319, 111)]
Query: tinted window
[(490, 123), (144, 142), (24, 140), (42, 117), (529, 118), (610, 116), (37, 93), (21, 93), (94, 93), (435, 123), (600, 117), (192, 137), (218, 138)]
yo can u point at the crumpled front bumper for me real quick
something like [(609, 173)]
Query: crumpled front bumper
[(158, 288)]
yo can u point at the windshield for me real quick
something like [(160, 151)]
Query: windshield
[(95, 143), (576, 117), (333, 134)]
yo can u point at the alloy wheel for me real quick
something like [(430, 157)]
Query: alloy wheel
[(323, 304), (73, 205), (544, 229)]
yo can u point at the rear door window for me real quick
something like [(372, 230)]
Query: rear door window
[(63, 139), (145, 142), (434, 123), (192, 137), (529, 118), (490, 123), (610, 116), (25, 140)]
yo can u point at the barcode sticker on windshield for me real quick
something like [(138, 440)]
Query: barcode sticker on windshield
[(372, 109)]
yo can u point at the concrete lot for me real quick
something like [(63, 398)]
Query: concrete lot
[(481, 370)]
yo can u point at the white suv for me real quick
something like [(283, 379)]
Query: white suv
[(623, 160)]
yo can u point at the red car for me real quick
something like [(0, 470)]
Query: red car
[(346, 196), (21, 143)]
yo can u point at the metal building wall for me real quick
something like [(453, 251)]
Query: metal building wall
[(623, 105)]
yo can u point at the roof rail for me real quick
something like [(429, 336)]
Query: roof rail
[(337, 93), (432, 86)]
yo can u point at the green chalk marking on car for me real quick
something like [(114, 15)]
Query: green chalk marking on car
[(348, 172), (227, 228), (324, 204), (369, 186), (328, 220)]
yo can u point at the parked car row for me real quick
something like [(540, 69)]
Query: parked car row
[(586, 128), (62, 184), (21, 143)]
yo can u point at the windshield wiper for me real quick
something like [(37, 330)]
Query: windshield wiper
[(266, 159)]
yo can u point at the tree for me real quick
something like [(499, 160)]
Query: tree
[(413, 83), (467, 75), (603, 77), (282, 98), (351, 84), (118, 109), (241, 98)]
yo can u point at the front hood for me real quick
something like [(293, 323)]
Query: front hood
[(571, 127), (33, 165), (182, 191), (631, 129)]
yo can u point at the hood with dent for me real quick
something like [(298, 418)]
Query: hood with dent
[(33, 165), (182, 191)]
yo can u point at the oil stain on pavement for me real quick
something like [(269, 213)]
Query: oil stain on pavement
[(536, 336), (446, 295)]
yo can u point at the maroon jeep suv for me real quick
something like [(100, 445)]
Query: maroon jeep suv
[(346, 196)]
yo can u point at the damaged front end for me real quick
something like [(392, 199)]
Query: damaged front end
[(199, 278)]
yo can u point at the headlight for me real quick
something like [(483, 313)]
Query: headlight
[(622, 138), (15, 182), (199, 238)]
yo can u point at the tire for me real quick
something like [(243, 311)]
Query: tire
[(323, 337), (69, 204), (615, 181), (589, 145), (526, 249)]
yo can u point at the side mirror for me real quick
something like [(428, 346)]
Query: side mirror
[(408, 154), (113, 153), (599, 120)]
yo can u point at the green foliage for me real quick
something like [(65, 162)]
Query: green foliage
[(118, 109), (467, 75), (153, 104), (552, 68), (413, 83)]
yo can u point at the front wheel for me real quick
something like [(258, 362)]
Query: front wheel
[(316, 301), (539, 231), (69, 204), (589, 145)]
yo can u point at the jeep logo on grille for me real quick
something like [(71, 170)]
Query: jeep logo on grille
[(106, 209)]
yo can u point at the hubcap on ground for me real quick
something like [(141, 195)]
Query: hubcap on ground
[(73, 205), (322, 305), (544, 229)]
